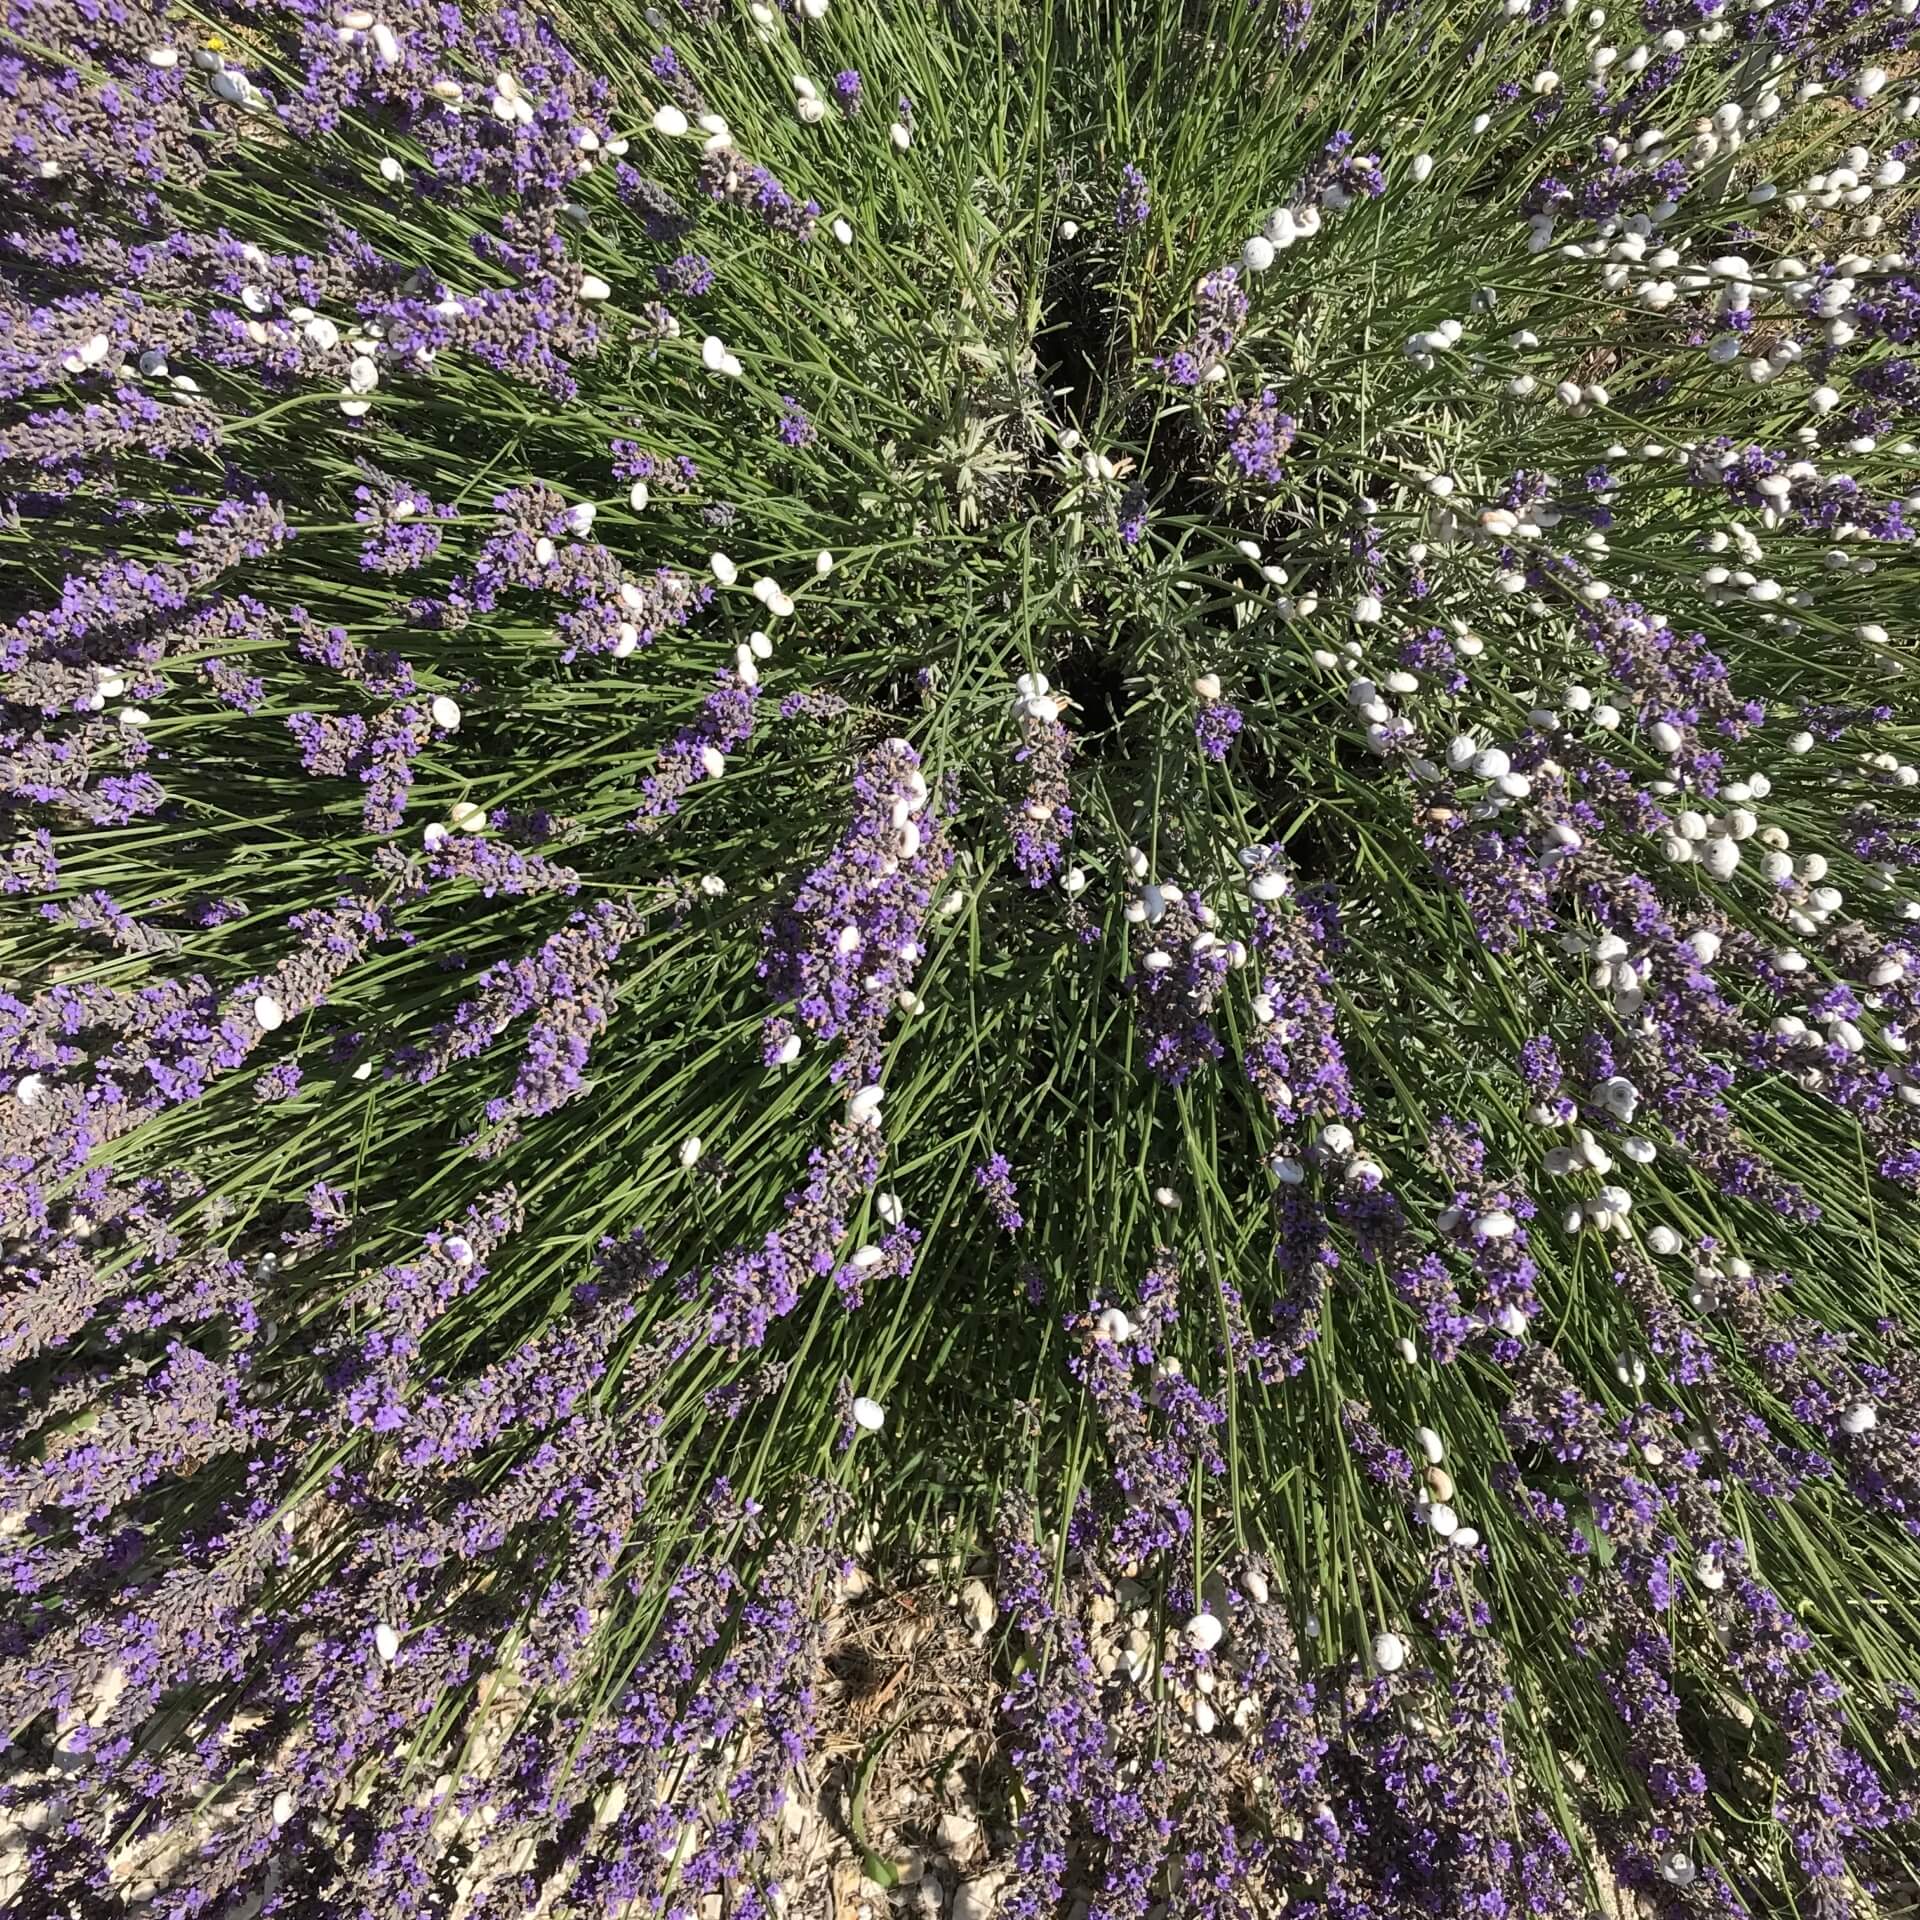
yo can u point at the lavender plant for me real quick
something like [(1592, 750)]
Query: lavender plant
[(1128, 784)]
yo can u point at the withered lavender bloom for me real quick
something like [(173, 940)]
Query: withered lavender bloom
[(738, 182), (1040, 825), (99, 913), (30, 864), (1220, 310)]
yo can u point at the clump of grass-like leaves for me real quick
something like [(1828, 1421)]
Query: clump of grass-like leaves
[(1124, 790)]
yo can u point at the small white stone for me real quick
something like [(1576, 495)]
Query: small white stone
[(977, 1605), (1205, 1631), (977, 1899)]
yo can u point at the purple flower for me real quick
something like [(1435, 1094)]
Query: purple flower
[(1220, 309), (849, 943), (796, 429), (698, 753), (994, 1178), (735, 182), (605, 609), (406, 535), (1180, 971), (1259, 437), (1040, 825), (686, 275), (563, 989), (1216, 725)]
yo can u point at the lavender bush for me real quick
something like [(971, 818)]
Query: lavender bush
[(1125, 785)]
